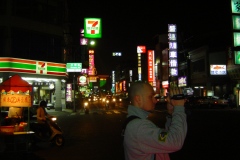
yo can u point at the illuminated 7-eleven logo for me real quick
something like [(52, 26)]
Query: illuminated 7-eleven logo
[(92, 28), (41, 68)]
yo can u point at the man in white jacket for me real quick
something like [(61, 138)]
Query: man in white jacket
[(143, 140)]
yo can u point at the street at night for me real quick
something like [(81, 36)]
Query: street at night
[(212, 134)]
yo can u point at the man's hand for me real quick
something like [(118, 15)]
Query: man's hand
[(171, 102)]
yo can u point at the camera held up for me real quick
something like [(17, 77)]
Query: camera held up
[(186, 92)]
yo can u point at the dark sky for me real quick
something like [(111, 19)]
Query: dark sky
[(126, 24)]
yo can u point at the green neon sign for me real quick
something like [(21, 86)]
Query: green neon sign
[(235, 6), (236, 22), (236, 39), (92, 27)]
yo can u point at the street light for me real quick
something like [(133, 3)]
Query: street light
[(92, 42)]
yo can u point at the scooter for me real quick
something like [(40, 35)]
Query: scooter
[(55, 134), (86, 108)]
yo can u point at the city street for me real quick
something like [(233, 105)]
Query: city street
[(212, 134)]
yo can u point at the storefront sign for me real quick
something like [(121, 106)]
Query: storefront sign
[(15, 100), (218, 70), (69, 92), (182, 81), (74, 67), (32, 67), (43, 84), (92, 28), (82, 80), (173, 61), (93, 79), (165, 84), (151, 76), (141, 49)]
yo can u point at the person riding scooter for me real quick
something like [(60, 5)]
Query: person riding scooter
[(46, 128), (41, 118)]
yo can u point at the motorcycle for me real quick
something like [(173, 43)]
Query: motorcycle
[(54, 135), (86, 108)]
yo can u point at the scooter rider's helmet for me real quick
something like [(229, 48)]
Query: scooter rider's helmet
[(43, 104)]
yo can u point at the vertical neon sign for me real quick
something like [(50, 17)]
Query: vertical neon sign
[(173, 55), (150, 65), (91, 70)]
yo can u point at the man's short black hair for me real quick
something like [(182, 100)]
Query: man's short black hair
[(43, 103)]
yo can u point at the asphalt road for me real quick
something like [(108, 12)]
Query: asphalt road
[(212, 134)]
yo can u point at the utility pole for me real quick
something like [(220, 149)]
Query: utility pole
[(74, 106)]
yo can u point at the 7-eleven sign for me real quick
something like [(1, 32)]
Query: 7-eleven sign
[(41, 67), (92, 28)]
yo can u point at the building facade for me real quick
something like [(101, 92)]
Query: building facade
[(33, 45)]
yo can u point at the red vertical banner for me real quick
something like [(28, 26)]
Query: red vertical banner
[(150, 65), (91, 63)]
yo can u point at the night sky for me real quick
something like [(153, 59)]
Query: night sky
[(126, 24)]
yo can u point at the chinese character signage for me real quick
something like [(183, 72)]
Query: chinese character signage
[(141, 49), (182, 81), (74, 67), (218, 70), (119, 54), (83, 41), (15, 100), (235, 6), (69, 92), (173, 61), (91, 69), (236, 22), (92, 28), (237, 57), (236, 39), (165, 84), (150, 65)]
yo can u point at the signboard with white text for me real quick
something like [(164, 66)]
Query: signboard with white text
[(151, 76), (69, 92), (218, 70), (182, 81), (74, 67), (141, 49), (173, 55)]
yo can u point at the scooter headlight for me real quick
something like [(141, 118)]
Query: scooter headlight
[(54, 118)]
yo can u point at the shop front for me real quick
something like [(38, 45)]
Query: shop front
[(15, 98), (47, 79)]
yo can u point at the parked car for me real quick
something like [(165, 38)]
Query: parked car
[(207, 101), (50, 106), (220, 102)]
